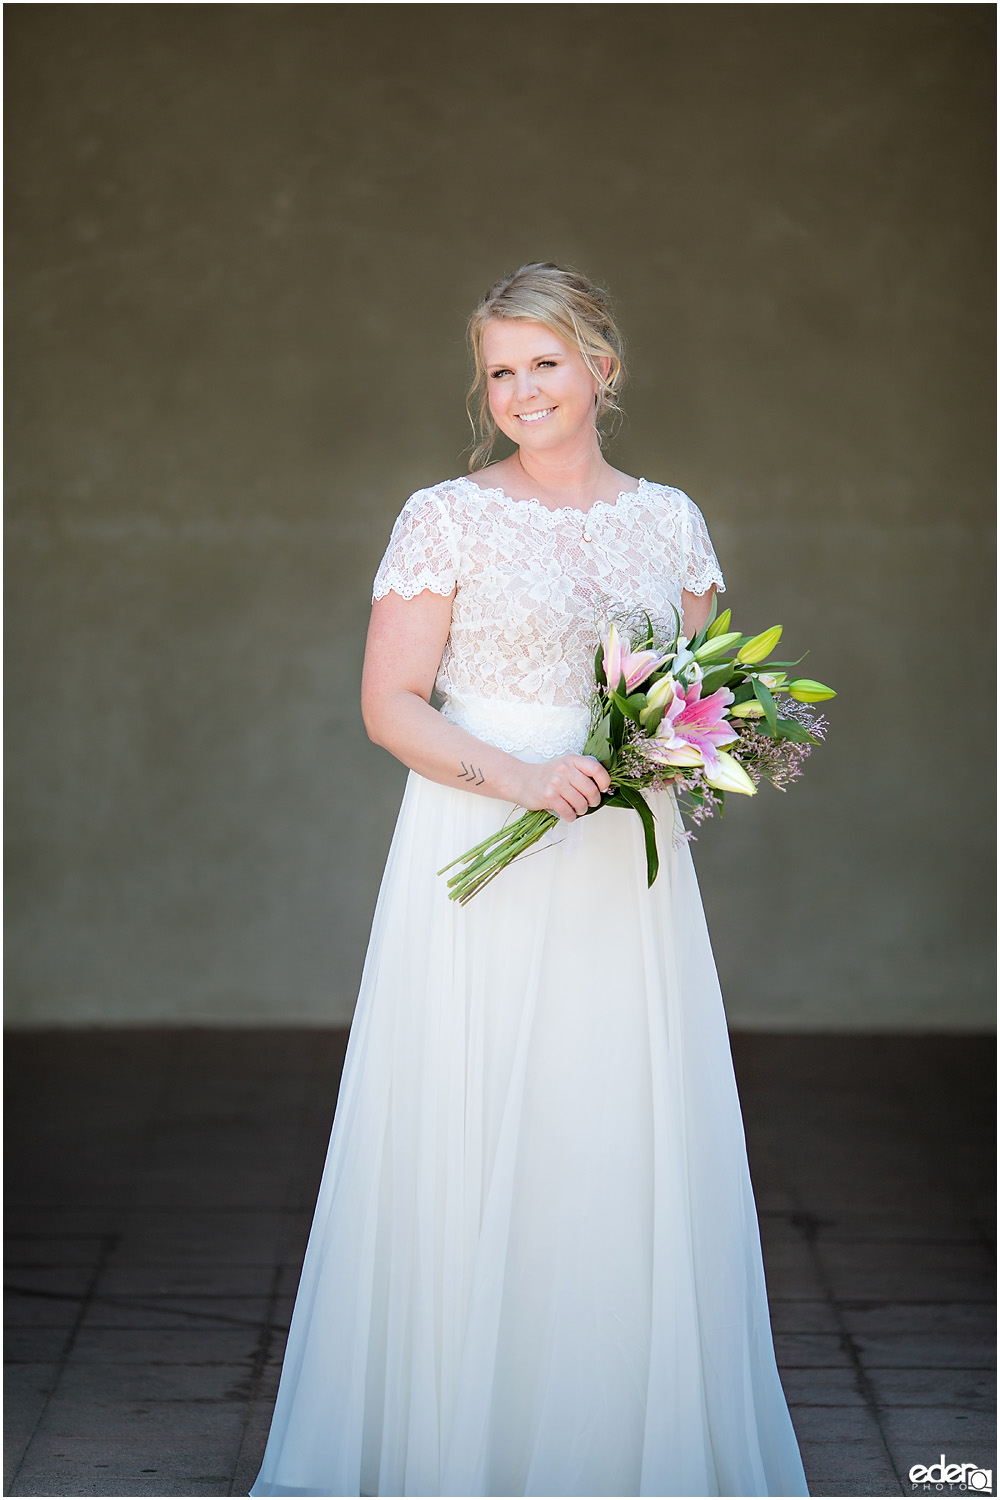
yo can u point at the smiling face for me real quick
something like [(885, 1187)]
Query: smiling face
[(540, 390)]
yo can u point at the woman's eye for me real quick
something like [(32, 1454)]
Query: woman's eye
[(547, 362), (495, 374)]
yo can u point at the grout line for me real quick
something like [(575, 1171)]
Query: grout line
[(809, 1226), (122, 1300), (108, 1243), (306, 1122), (258, 1365)]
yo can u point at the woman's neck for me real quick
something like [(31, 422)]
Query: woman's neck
[(566, 477)]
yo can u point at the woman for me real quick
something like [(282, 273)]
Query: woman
[(534, 1267)]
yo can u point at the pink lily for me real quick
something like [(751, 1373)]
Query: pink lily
[(621, 661), (693, 723)]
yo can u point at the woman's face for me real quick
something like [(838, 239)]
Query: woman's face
[(541, 392)]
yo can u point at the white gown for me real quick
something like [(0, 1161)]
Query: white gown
[(534, 1267)]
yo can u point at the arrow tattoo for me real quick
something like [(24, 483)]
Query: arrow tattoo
[(469, 774)]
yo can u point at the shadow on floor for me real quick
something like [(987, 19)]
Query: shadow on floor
[(161, 1184)]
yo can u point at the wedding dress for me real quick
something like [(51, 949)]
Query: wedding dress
[(534, 1267)]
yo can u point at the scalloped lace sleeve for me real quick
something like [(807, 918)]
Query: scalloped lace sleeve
[(701, 567), (421, 553)]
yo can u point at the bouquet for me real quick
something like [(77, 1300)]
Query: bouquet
[(706, 716)]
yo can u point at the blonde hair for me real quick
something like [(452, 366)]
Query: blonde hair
[(574, 308)]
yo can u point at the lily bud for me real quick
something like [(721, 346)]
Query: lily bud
[(719, 625), (680, 755), (808, 691), (658, 697), (772, 680), (615, 650), (751, 709), (760, 646), (685, 668), (729, 776), (716, 645)]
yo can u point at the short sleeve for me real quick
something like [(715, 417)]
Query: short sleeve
[(421, 553), (701, 567)]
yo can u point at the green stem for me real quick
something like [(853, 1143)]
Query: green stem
[(485, 860)]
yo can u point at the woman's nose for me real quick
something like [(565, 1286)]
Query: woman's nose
[(524, 385)]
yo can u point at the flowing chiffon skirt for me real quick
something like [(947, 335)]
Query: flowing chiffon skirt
[(534, 1267)]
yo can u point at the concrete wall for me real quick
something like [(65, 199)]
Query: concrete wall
[(243, 241)]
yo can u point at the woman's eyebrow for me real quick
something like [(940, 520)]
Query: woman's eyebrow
[(504, 364)]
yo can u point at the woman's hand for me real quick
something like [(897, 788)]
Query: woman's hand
[(569, 786)]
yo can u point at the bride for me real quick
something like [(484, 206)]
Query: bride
[(534, 1266)]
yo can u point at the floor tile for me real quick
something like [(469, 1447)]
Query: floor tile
[(199, 1280), (821, 1386), (190, 1180), (165, 1430), (233, 1237), (196, 1313), (26, 1389), (794, 1350), (907, 1272), (968, 1390), (164, 1346), (937, 1425), (118, 1382), (29, 1308), (803, 1316), (34, 1345), (96, 1466), (39, 1251), (252, 1449), (923, 1335)]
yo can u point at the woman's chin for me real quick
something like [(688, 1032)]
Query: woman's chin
[(540, 437)]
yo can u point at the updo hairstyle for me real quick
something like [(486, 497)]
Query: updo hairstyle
[(574, 308)]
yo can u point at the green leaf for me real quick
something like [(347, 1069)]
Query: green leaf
[(742, 693), (599, 676), (652, 723), (765, 666), (599, 743), (766, 700), (672, 644), (716, 677), (616, 726), (631, 706), (790, 729), (637, 801)]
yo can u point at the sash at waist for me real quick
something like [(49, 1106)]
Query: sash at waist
[(531, 731)]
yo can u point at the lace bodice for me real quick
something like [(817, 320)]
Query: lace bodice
[(527, 584)]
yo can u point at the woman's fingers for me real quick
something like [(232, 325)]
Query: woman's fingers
[(575, 785), (569, 803), (587, 782), (598, 773), (581, 793)]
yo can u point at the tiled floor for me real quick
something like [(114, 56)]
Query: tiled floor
[(161, 1185)]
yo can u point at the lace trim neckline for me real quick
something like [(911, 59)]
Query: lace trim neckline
[(494, 492)]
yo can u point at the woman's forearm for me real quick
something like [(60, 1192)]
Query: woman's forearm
[(410, 729)]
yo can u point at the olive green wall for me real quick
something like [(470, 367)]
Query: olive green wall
[(242, 244)]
